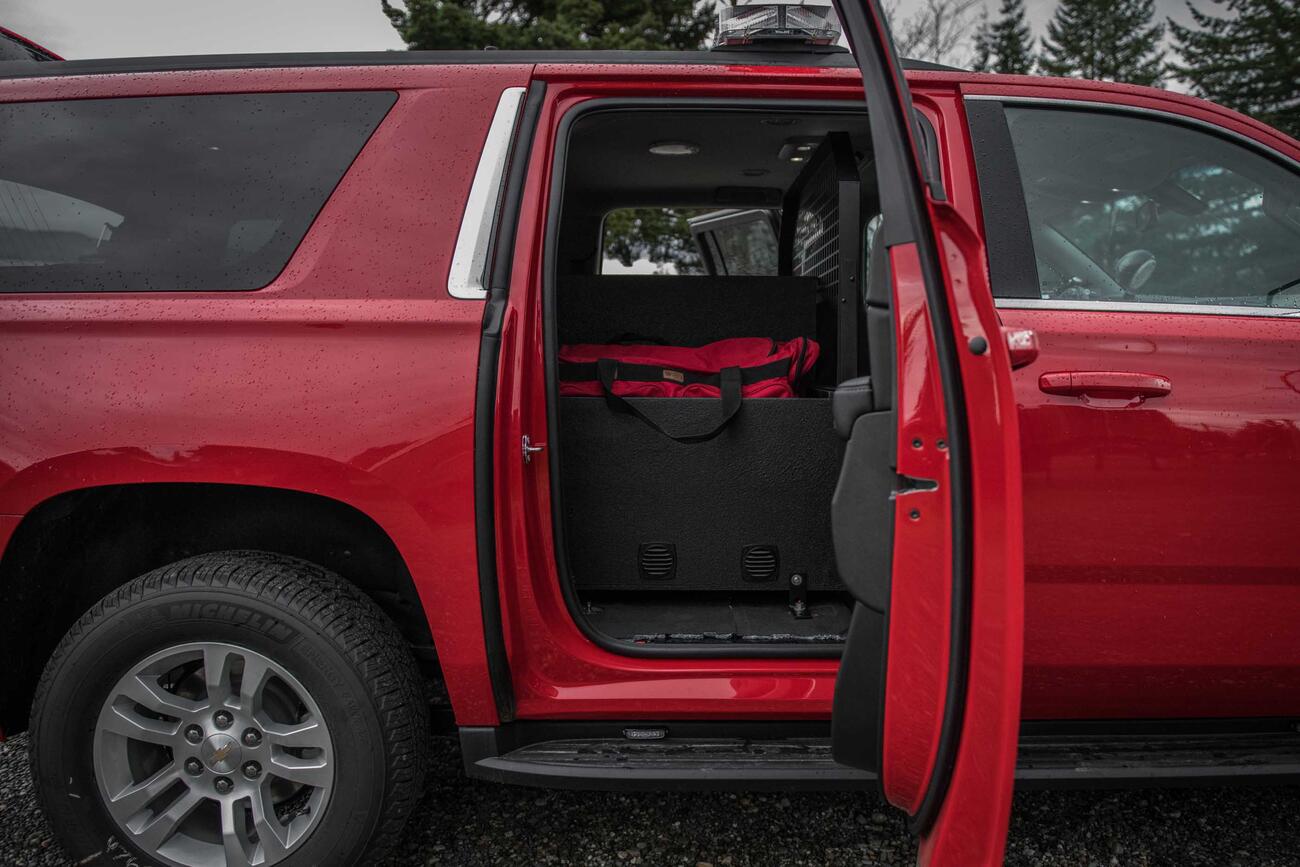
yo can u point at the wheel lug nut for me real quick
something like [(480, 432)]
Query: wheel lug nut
[(223, 719), (223, 785), (252, 770), (193, 734), (252, 737), (193, 766)]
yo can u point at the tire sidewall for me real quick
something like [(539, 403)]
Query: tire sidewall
[(111, 646)]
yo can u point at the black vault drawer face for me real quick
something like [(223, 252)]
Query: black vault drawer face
[(643, 512)]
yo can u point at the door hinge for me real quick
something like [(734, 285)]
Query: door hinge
[(529, 449)]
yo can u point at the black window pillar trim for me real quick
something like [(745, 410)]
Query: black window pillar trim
[(903, 183), (1013, 270), (500, 263)]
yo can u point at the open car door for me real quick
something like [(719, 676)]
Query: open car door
[(927, 513)]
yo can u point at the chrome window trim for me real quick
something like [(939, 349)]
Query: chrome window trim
[(1147, 307), (1156, 113), (469, 260)]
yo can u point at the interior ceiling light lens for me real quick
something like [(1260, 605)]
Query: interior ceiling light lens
[(746, 25), (797, 150), (674, 148)]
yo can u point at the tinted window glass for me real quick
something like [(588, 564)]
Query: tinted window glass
[(1128, 208), (169, 193), (13, 49), (650, 241), (747, 248)]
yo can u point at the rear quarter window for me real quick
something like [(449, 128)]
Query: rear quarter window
[(173, 193)]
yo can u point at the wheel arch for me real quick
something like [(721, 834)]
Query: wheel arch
[(73, 547)]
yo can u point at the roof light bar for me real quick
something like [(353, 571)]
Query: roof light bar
[(747, 25)]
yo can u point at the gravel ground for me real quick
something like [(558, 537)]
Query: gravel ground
[(462, 822)]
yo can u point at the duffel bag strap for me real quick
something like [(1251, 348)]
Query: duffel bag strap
[(729, 382)]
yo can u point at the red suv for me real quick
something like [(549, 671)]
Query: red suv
[(287, 438)]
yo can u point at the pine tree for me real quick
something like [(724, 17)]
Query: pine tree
[(547, 24), (1113, 40), (1012, 42), (983, 61), (1247, 60)]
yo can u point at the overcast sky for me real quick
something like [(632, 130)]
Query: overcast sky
[(124, 28)]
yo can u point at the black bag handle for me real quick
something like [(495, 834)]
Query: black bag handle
[(729, 383)]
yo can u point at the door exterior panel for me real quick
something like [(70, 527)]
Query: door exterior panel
[(1160, 553)]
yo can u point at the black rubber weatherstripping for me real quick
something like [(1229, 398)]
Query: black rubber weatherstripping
[(902, 198), (498, 285)]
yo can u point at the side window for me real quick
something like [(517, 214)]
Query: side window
[(171, 193), (1136, 209), (742, 243), (649, 241)]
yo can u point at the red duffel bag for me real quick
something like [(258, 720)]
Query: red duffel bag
[(728, 369)]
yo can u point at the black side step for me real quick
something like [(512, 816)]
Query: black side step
[(1252, 758), (805, 763), (705, 764)]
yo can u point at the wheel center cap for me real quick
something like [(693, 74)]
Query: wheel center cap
[(220, 753)]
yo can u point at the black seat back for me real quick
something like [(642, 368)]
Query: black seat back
[(684, 310)]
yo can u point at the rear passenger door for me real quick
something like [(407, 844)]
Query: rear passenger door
[(927, 516), (1156, 254)]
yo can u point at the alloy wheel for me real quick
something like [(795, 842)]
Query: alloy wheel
[(209, 754)]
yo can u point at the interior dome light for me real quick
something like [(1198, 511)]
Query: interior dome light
[(674, 148)]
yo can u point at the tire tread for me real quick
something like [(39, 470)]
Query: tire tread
[(352, 622)]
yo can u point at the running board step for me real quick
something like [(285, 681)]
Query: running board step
[(806, 763), (1260, 758), (721, 763)]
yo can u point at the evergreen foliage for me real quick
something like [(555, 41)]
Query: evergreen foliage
[(1247, 59), (553, 24), (1110, 40)]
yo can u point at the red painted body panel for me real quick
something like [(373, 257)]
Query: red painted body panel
[(351, 375), (1122, 620), (1162, 560), (920, 607), (972, 824)]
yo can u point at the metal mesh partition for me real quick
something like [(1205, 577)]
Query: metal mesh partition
[(821, 226), (816, 250)]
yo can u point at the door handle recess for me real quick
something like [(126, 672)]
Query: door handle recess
[(1104, 384)]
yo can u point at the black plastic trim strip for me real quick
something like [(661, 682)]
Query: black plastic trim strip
[(501, 259), (1013, 270), (929, 141), (168, 63), (551, 344)]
